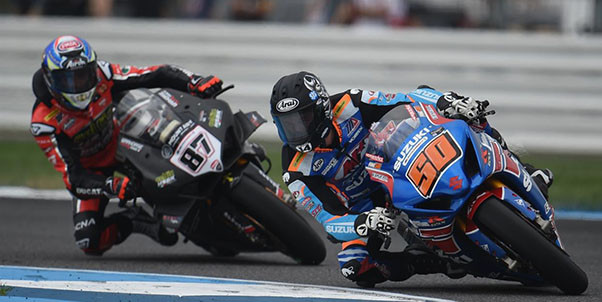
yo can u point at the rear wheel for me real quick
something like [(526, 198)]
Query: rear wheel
[(553, 264), (300, 241)]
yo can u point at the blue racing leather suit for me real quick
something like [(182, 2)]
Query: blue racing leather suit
[(333, 185)]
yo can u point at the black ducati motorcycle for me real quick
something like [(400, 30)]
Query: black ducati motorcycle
[(203, 179)]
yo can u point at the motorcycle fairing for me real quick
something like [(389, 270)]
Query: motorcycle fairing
[(193, 128), (455, 177)]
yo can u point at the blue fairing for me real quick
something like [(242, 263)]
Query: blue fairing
[(435, 170), (452, 182)]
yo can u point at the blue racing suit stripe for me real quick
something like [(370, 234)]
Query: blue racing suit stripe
[(358, 253), (379, 98), (340, 227)]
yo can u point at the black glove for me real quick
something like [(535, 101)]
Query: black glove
[(204, 87), (381, 220), (120, 187)]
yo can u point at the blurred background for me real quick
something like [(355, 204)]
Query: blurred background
[(539, 62), (575, 16)]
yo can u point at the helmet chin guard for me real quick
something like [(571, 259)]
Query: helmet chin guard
[(317, 139), (79, 101)]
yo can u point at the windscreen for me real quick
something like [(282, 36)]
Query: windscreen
[(387, 135), (146, 116)]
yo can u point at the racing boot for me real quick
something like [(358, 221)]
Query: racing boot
[(423, 261), (144, 223), (399, 266), (543, 178)]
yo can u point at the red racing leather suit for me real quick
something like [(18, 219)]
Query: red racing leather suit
[(82, 144)]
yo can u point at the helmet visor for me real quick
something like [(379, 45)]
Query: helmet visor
[(297, 126), (76, 80)]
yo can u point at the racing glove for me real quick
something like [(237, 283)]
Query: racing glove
[(120, 187), (204, 87), (452, 105), (381, 220)]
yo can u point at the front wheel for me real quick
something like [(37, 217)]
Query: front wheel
[(553, 264), (300, 241)]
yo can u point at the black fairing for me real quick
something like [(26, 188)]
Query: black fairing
[(176, 197)]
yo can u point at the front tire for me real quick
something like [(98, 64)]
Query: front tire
[(553, 264), (300, 240)]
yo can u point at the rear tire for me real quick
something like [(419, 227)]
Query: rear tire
[(554, 265), (301, 241)]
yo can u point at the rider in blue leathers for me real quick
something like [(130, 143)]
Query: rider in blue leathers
[(324, 144)]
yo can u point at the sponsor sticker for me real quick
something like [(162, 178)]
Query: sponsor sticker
[(411, 112), (286, 177), (169, 98), (216, 165), (51, 115), (179, 132), (88, 191), (215, 118), (166, 151), (84, 224), (340, 228), (166, 178), (37, 129), (286, 105), (376, 158), (318, 165), (410, 147), (330, 165), (131, 145), (70, 45), (431, 111), (69, 124)]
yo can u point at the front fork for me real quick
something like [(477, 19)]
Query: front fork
[(250, 165), (504, 194)]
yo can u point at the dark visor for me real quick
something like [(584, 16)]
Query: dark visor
[(76, 80), (298, 125)]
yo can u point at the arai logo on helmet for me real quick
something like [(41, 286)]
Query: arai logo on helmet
[(286, 105), (70, 45)]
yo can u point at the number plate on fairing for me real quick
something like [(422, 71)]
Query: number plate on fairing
[(431, 163), (198, 153)]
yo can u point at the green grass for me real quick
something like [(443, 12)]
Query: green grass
[(577, 179), (24, 164), (4, 290), (577, 184)]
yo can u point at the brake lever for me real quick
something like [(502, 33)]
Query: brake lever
[(386, 240), (224, 89)]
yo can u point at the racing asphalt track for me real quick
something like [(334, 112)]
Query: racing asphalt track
[(39, 233)]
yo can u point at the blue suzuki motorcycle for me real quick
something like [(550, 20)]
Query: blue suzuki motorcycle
[(468, 199)]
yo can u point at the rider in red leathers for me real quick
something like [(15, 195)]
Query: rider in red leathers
[(72, 122)]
